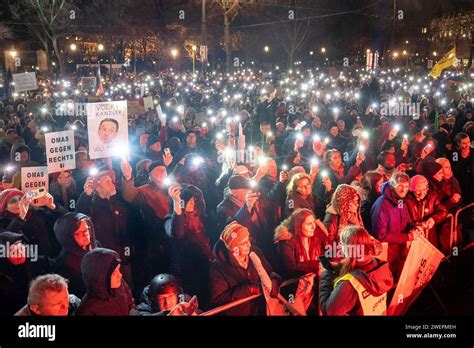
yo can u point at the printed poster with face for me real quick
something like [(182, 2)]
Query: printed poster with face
[(107, 128)]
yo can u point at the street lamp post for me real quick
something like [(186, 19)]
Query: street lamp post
[(194, 48)]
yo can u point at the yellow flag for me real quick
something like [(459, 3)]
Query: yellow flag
[(445, 62)]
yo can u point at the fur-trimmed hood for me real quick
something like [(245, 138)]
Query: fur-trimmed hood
[(282, 233)]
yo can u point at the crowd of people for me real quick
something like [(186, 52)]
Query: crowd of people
[(297, 168)]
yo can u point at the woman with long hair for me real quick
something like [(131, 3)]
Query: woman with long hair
[(360, 284), (300, 240), (343, 210), (299, 195), (371, 191)]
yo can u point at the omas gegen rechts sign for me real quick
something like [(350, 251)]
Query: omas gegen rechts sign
[(33, 178), (60, 151)]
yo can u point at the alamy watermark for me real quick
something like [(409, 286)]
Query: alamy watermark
[(337, 250), (400, 108), (11, 250)]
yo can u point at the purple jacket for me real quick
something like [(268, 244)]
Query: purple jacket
[(390, 217)]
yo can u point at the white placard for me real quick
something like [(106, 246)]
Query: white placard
[(25, 82), (60, 151), (107, 126), (148, 103), (33, 178)]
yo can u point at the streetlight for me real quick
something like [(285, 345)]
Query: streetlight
[(194, 48), (435, 53), (323, 49), (100, 47), (404, 52), (266, 49), (311, 53), (13, 53), (395, 55), (73, 47)]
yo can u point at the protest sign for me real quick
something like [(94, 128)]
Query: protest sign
[(421, 264), (60, 151), (148, 103), (33, 178), (107, 128), (25, 82), (134, 107)]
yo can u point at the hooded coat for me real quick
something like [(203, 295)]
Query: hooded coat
[(343, 299), (97, 267), (68, 262)]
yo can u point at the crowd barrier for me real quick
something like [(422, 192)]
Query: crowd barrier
[(454, 221)]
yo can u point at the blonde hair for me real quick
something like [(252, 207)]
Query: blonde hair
[(356, 237), (294, 179)]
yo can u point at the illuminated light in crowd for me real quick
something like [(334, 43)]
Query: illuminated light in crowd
[(253, 184), (335, 111), (324, 174), (167, 181), (314, 109), (9, 168), (326, 140), (316, 138), (443, 101), (73, 127), (237, 118), (284, 167), (93, 171), (314, 162), (180, 109), (251, 148), (365, 134), (374, 105), (262, 160), (405, 136), (175, 119), (361, 148), (197, 161), (299, 136), (44, 129), (43, 110)]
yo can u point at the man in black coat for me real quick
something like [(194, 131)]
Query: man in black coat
[(109, 216), (106, 293)]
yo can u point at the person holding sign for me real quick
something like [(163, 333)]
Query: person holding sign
[(19, 213)]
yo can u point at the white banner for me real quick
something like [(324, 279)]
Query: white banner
[(25, 82), (60, 151), (107, 126), (421, 264), (33, 178)]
